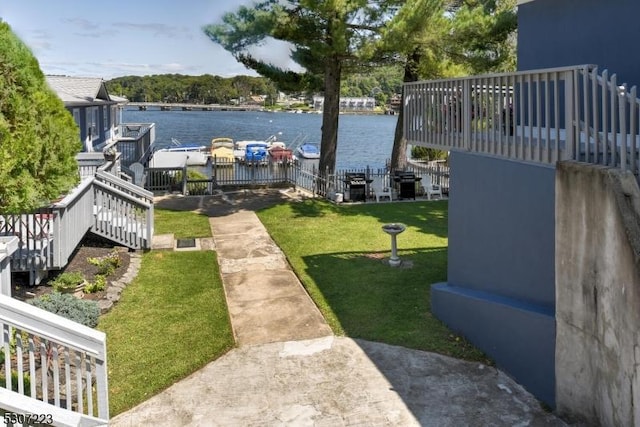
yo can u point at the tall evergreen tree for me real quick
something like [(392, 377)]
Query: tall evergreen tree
[(324, 36), (38, 137), (445, 38)]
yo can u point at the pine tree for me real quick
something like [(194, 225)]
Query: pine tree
[(325, 36), (446, 38)]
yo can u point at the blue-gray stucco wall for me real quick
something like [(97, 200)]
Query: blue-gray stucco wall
[(500, 292), (555, 33)]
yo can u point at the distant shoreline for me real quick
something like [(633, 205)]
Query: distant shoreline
[(158, 106)]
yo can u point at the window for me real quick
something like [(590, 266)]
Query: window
[(76, 116), (105, 118), (92, 124), (114, 115)]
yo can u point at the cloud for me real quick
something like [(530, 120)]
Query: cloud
[(88, 28), (157, 29), (83, 24)]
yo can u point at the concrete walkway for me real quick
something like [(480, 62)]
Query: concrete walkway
[(266, 301), (289, 370)]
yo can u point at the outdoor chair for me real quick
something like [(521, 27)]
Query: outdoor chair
[(430, 189), (380, 189)]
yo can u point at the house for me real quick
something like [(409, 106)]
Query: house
[(542, 268), (395, 102), (256, 100), (93, 109), (98, 116), (348, 103)]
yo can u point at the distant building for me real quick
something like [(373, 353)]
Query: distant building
[(256, 100), (395, 102), (348, 103), (94, 111)]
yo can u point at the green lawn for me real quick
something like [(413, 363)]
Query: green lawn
[(183, 224), (338, 250), (171, 321)]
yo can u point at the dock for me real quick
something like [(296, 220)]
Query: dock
[(163, 106)]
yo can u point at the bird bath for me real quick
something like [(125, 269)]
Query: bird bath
[(393, 230)]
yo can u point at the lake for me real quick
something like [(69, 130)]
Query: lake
[(363, 140)]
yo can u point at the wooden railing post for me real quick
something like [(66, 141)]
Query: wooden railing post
[(8, 245), (184, 180), (466, 114), (621, 94), (570, 102)]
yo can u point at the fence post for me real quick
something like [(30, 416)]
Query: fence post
[(184, 180), (285, 165), (8, 246), (621, 94), (466, 114), (570, 96)]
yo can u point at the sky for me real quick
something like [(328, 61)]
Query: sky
[(108, 39)]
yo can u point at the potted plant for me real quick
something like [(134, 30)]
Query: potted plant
[(110, 153), (68, 282)]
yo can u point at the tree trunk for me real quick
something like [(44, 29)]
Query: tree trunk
[(331, 109), (399, 152)]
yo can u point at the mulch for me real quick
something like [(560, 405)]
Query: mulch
[(90, 247)]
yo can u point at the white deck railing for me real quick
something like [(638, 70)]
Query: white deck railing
[(541, 116), (73, 218), (52, 366), (123, 211), (54, 360), (135, 141), (104, 204)]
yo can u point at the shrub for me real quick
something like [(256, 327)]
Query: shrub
[(99, 284), (66, 305), (39, 136), (424, 153), (67, 281), (106, 264)]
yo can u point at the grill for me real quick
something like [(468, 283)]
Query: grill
[(356, 183), (406, 184)]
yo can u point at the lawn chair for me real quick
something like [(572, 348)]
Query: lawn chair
[(430, 189), (380, 189)]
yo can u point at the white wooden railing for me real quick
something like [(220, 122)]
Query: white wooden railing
[(135, 141), (73, 217), (54, 368), (54, 360), (541, 116), (104, 204), (123, 211)]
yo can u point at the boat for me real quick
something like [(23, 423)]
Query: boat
[(280, 154), (256, 154), (239, 149), (222, 151), (197, 155), (309, 150)]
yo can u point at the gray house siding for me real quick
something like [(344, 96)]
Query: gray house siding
[(501, 286), (500, 292), (555, 33), (103, 134), (87, 99)]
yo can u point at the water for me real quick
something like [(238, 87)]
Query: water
[(363, 140)]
